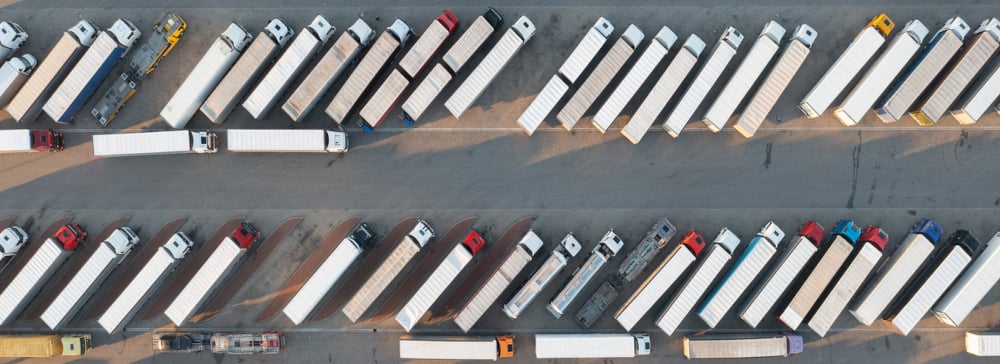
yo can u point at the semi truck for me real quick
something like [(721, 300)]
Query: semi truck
[(698, 282), (864, 46), (971, 287), (328, 273), (980, 96), (205, 75), (745, 76), (155, 143), (581, 346), (893, 276), (982, 344), (871, 245), (288, 140), (212, 273), (149, 278), (27, 140), (732, 346), (439, 280), (659, 282), (758, 253), (456, 347), (262, 343), (386, 46), (915, 79), (599, 79), (44, 346), (13, 74), (181, 342), (655, 52), (567, 74), (566, 250), (329, 68), (12, 37), (12, 239), (26, 105), (606, 248), (889, 64), (106, 258), (496, 283), (244, 74), (664, 89), (709, 73), (776, 81), (40, 266), (792, 261), (304, 47), (502, 52), (842, 239), (457, 56)]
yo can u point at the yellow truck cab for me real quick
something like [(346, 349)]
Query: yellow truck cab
[(883, 24)]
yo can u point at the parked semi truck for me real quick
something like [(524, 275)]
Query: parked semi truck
[(329, 68), (801, 250), (698, 282), (823, 272), (733, 346), (328, 273), (655, 52), (205, 75), (44, 346), (40, 266), (871, 244), (606, 346), (502, 52), (566, 250), (745, 76), (847, 66), (776, 81), (915, 79), (106, 258), (664, 89), (606, 248), (982, 344), (758, 253), (496, 283), (709, 73), (27, 140), (457, 56), (12, 37), (13, 74), (26, 105), (456, 347), (212, 273), (663, 277), (288, 140), (244, 74), (154, 143), (439, 280), (262, 343), (12, 239), (971, 287)]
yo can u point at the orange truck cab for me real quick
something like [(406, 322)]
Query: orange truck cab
[(505, 346)]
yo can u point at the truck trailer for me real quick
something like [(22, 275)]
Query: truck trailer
[(509, 268), (27, 140), (502, 52), (456, 347), (40, 266), (13, 74), (978, 98), (155, 143), (871, 245), (44, 345), (566, 250), (286, 140), (704, 274), (663, 90), (655, 52), (761, 302), (12, 37), (709, 73), (606, 248), (823, 272), (971, 287), (982, 344), (745, 76), (606, 346), (659, 282), (439, 280), (733, 346)]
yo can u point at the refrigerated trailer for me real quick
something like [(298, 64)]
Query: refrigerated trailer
[(659, 282), (288, 140), (496, 283), (44, 345), (709, 73), (761, 302), (971, 287), (155, 143), (733, 346), (27, 140), (655, 52), (823, 272), (553, 346), (980, 96), (871, 245), (566, 250), (456, 347), (663, 90), (704, 274), (40, 266), (745, 76), (606, 248), (982, 344), (439, 280), (487, 70), (13, 74), (846, 67)]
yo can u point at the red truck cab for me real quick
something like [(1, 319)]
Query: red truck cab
[(874, 235), (46, 140), (448, 20), (70, 236), (694, 241), (245, 234), (813, 231), (473, 241)]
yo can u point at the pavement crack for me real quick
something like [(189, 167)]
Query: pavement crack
[(854, 181), (767, 156)]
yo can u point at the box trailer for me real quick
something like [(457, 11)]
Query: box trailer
[(776, 81), (27, 141), (155, 143), (846, 67), (244, 74), (40, 266), (13, 74), (963, 71), (655, 52), (456, 347), (732, 346), (757, 255), (145, 283), (439, 280), (569, 346), (12, 37), (893, 276), (377, 282), (287, 140), (978, 98), (663, 90), (659, 282), (428, 44), (606, 248), (44, 345), (801, 250), (508, 270), (487, 70), (704, 274), (599, 79), (329, 68), (915, 79), (933, 281), (871, 245), (982, 344), (971, 287), (328, 273), (745, 76), (566, 250), (709, 73), (823, 272)]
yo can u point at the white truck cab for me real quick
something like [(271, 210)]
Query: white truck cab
[(125, 33), (122, 240), (85, 32), (279, 31), (772, 232), (642, 344), (362, 32), (179, 245), (322, 28), (203, 142), (422, 232), (11, 241), (612, 241), (337, 141), (401, 30), (238, 36), (12, 37)]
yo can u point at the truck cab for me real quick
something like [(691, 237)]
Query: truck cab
[(474, 241), (505, 346), (361, 32), (12, 239), (179, 245), (401, 30), (663, 231), (364, 235), (695, 243), (180, 342), (47, 140), (642, 344), (813, 231), (204, 142), (122, 240), (279, 31), (422, 233), (875, 235), (245, 234), (125, 33), (883, 24), (847, 229), (771, 232), (70, 236), (611, 241), (929, 228), (76, 344), (321, 28), (12, 37), (85, 32), (336, 142)]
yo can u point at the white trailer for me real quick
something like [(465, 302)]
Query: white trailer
[(660, 281), (13, 74), (205, 75), (244, 74), (979, 97), (846, 67), (855, 271), (709, 73), (508, 270), (942, 95), (704, 274), (915, 79), (286, 140), (456, 347), (327, 275), (663, 90), (982, 344), (26, 283), (759, 252), (12, 37), (385, 47), (793, 260), (502, 52), (566, 250), (329, 68), (745, 76), (388, 270), (154, 143), (823, 272), (434, 286), (970, 289), (609, 245), (555, 346), (733, 346), (655, 52), (889, 64), (106, 258), (121, 311), (209, 276)]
